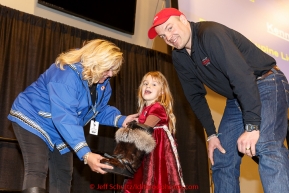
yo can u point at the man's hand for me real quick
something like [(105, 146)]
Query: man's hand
[(129, 118), (214, 143), (94, 163), (247, 142)]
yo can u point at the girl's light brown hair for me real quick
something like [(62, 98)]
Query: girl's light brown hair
[(165, 99), (96, 57)]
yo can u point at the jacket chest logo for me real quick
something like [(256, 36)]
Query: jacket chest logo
[(206, 61)]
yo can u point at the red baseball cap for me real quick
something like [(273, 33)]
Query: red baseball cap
[(160, 18)]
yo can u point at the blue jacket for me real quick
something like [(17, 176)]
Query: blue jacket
[(58, 105)]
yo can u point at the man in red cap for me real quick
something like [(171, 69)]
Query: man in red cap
[(255, 117)]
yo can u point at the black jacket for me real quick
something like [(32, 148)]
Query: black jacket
[(226, 62)]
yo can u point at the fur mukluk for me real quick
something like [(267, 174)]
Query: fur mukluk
[(142, 140)]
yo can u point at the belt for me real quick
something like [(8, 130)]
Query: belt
[(268, 73)]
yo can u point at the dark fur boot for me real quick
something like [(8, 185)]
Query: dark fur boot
[(133, 143)]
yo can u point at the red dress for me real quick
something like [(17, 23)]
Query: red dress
[(160, 171)]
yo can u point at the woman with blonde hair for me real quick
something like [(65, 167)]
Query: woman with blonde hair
[(49, 115)]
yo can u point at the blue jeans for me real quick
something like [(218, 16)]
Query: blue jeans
[(38, 159), (273, 155)]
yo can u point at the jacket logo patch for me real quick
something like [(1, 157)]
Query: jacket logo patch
[(102, 88), (206, 61)]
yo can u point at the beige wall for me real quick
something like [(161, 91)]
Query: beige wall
[(146, 10)]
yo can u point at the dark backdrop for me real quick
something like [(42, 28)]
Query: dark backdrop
[(28, 46)]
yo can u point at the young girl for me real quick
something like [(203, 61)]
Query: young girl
[(160, 170)]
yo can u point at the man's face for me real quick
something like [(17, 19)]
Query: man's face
[(176, 32)]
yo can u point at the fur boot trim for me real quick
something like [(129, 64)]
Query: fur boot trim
[(142, 140)]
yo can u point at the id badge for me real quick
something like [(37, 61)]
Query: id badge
[(93, 127)]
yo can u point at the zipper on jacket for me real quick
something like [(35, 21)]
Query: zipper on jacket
[(75, 69), (91, 117)]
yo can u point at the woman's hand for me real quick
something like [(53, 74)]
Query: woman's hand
[(94, 163)]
